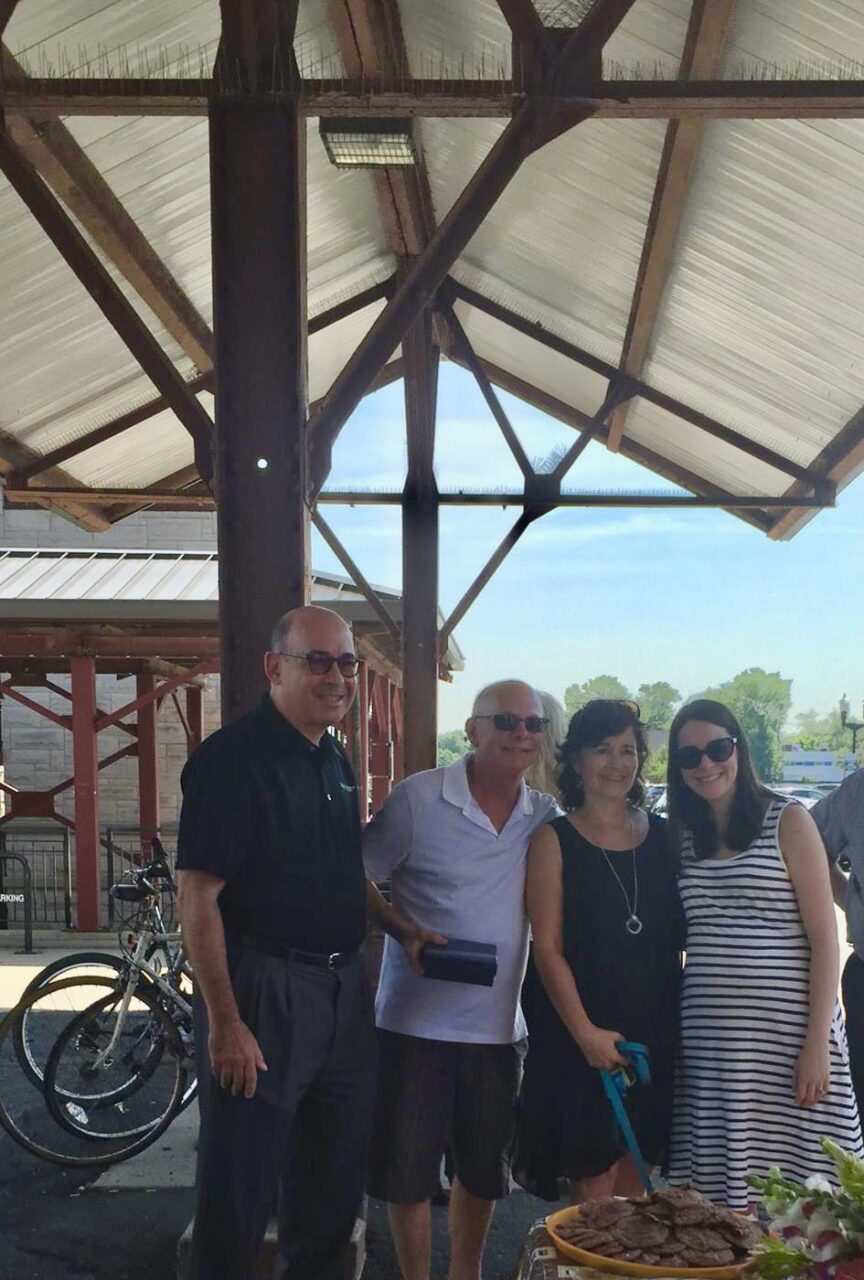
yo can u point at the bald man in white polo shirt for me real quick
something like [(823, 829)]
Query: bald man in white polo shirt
[(452, 842)]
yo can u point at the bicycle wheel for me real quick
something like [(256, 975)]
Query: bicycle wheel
[(116, 1073), (24, 1112), (29, 1043)]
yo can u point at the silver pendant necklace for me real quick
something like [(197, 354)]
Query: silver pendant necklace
[(632, 924)]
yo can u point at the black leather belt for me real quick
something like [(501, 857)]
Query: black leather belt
[(273, 947)]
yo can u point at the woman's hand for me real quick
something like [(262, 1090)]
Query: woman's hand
[(812, 1072), (600, 1048)]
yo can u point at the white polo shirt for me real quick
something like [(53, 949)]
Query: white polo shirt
[(453, 872)]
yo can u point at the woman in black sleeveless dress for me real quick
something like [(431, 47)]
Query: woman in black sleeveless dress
[(608, 930)]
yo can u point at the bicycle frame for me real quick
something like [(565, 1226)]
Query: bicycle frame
[(139, 967)]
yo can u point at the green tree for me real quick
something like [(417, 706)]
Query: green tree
[(576, 695), (814, 732), (656, 764), (761, 701), (452, 746), (657, 703)]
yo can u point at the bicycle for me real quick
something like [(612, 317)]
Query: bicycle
[(163, 956), (100, 1063)]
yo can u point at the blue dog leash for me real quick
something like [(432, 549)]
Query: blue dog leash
[(616, 1083)]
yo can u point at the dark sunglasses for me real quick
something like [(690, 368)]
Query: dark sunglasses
[(506, 721), (718, 750), (320, 662)]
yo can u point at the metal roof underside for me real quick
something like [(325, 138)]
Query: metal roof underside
[(761, 322), (115, 586)]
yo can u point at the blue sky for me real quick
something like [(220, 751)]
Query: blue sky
[(686, 596)]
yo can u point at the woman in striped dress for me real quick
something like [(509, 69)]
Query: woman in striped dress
[(764, 1070)]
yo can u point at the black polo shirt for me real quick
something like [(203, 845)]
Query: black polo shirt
[(277, 818)]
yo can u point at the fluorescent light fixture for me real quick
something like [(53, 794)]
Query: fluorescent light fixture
[(355, 143)]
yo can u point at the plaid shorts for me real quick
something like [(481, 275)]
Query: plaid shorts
[(438, 1093)]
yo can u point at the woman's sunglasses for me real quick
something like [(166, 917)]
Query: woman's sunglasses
[(718, 750)]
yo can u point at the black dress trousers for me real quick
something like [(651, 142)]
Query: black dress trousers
[(305, 1132), (853, 1001)]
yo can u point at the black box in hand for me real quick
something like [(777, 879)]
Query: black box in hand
[(461, 961)]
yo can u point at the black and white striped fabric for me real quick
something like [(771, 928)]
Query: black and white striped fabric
[(744, 1018)]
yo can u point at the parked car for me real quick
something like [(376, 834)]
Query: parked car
[(806, 795)]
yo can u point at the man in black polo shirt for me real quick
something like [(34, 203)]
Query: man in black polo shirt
[(273, 903)]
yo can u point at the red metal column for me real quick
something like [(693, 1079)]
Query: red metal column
[(85, 758), (148, 763), (381, 747), (396, 725), (194, 717), (361, 766)]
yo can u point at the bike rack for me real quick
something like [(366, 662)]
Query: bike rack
[(28, 949)]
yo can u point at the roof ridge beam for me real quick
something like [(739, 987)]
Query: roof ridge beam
[(110, 299), (703, 51), (68, 170)]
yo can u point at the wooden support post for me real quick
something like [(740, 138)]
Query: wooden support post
[(148, 762), (420, 552), (86, 764), (194, 716), (259, 276)]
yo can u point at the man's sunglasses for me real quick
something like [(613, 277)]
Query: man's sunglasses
[(506, 722), (320, 662), (718, 750)]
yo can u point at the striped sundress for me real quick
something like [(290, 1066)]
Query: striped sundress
[(744, 1015)]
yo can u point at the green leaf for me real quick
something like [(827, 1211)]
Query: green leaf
[(850, 1169)]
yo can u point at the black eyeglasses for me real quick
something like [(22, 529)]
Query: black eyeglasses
[(718, 750), (320, 662), (506, 722)]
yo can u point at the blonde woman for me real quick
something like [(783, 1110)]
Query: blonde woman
[(543, 773)]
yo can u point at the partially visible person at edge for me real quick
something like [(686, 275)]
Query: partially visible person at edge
[(606, 920), (272, 897), (840, 819), (453, 841), (542, 775), (764, 1069)]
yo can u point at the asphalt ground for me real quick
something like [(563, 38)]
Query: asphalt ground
[(59, 1224)]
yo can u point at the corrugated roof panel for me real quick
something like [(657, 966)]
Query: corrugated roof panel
[(140, 456), (114, 36), (798, 38), (330, 349), (452, 38), (762, 323), (563, 243), (61, 363), (531, 361), (702, 454)]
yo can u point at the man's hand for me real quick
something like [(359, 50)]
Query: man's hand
[(413, 937), (235, 1057)]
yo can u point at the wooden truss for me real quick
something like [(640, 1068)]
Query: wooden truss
[(556, 85)]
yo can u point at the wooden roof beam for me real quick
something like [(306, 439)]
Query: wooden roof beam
[(372, 43), (703, 53), (530, 128), (14, 455), (841, 458), (72, 176), (655, 462), (798, 99), (670, 404), (110, 299), (205, 382)]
